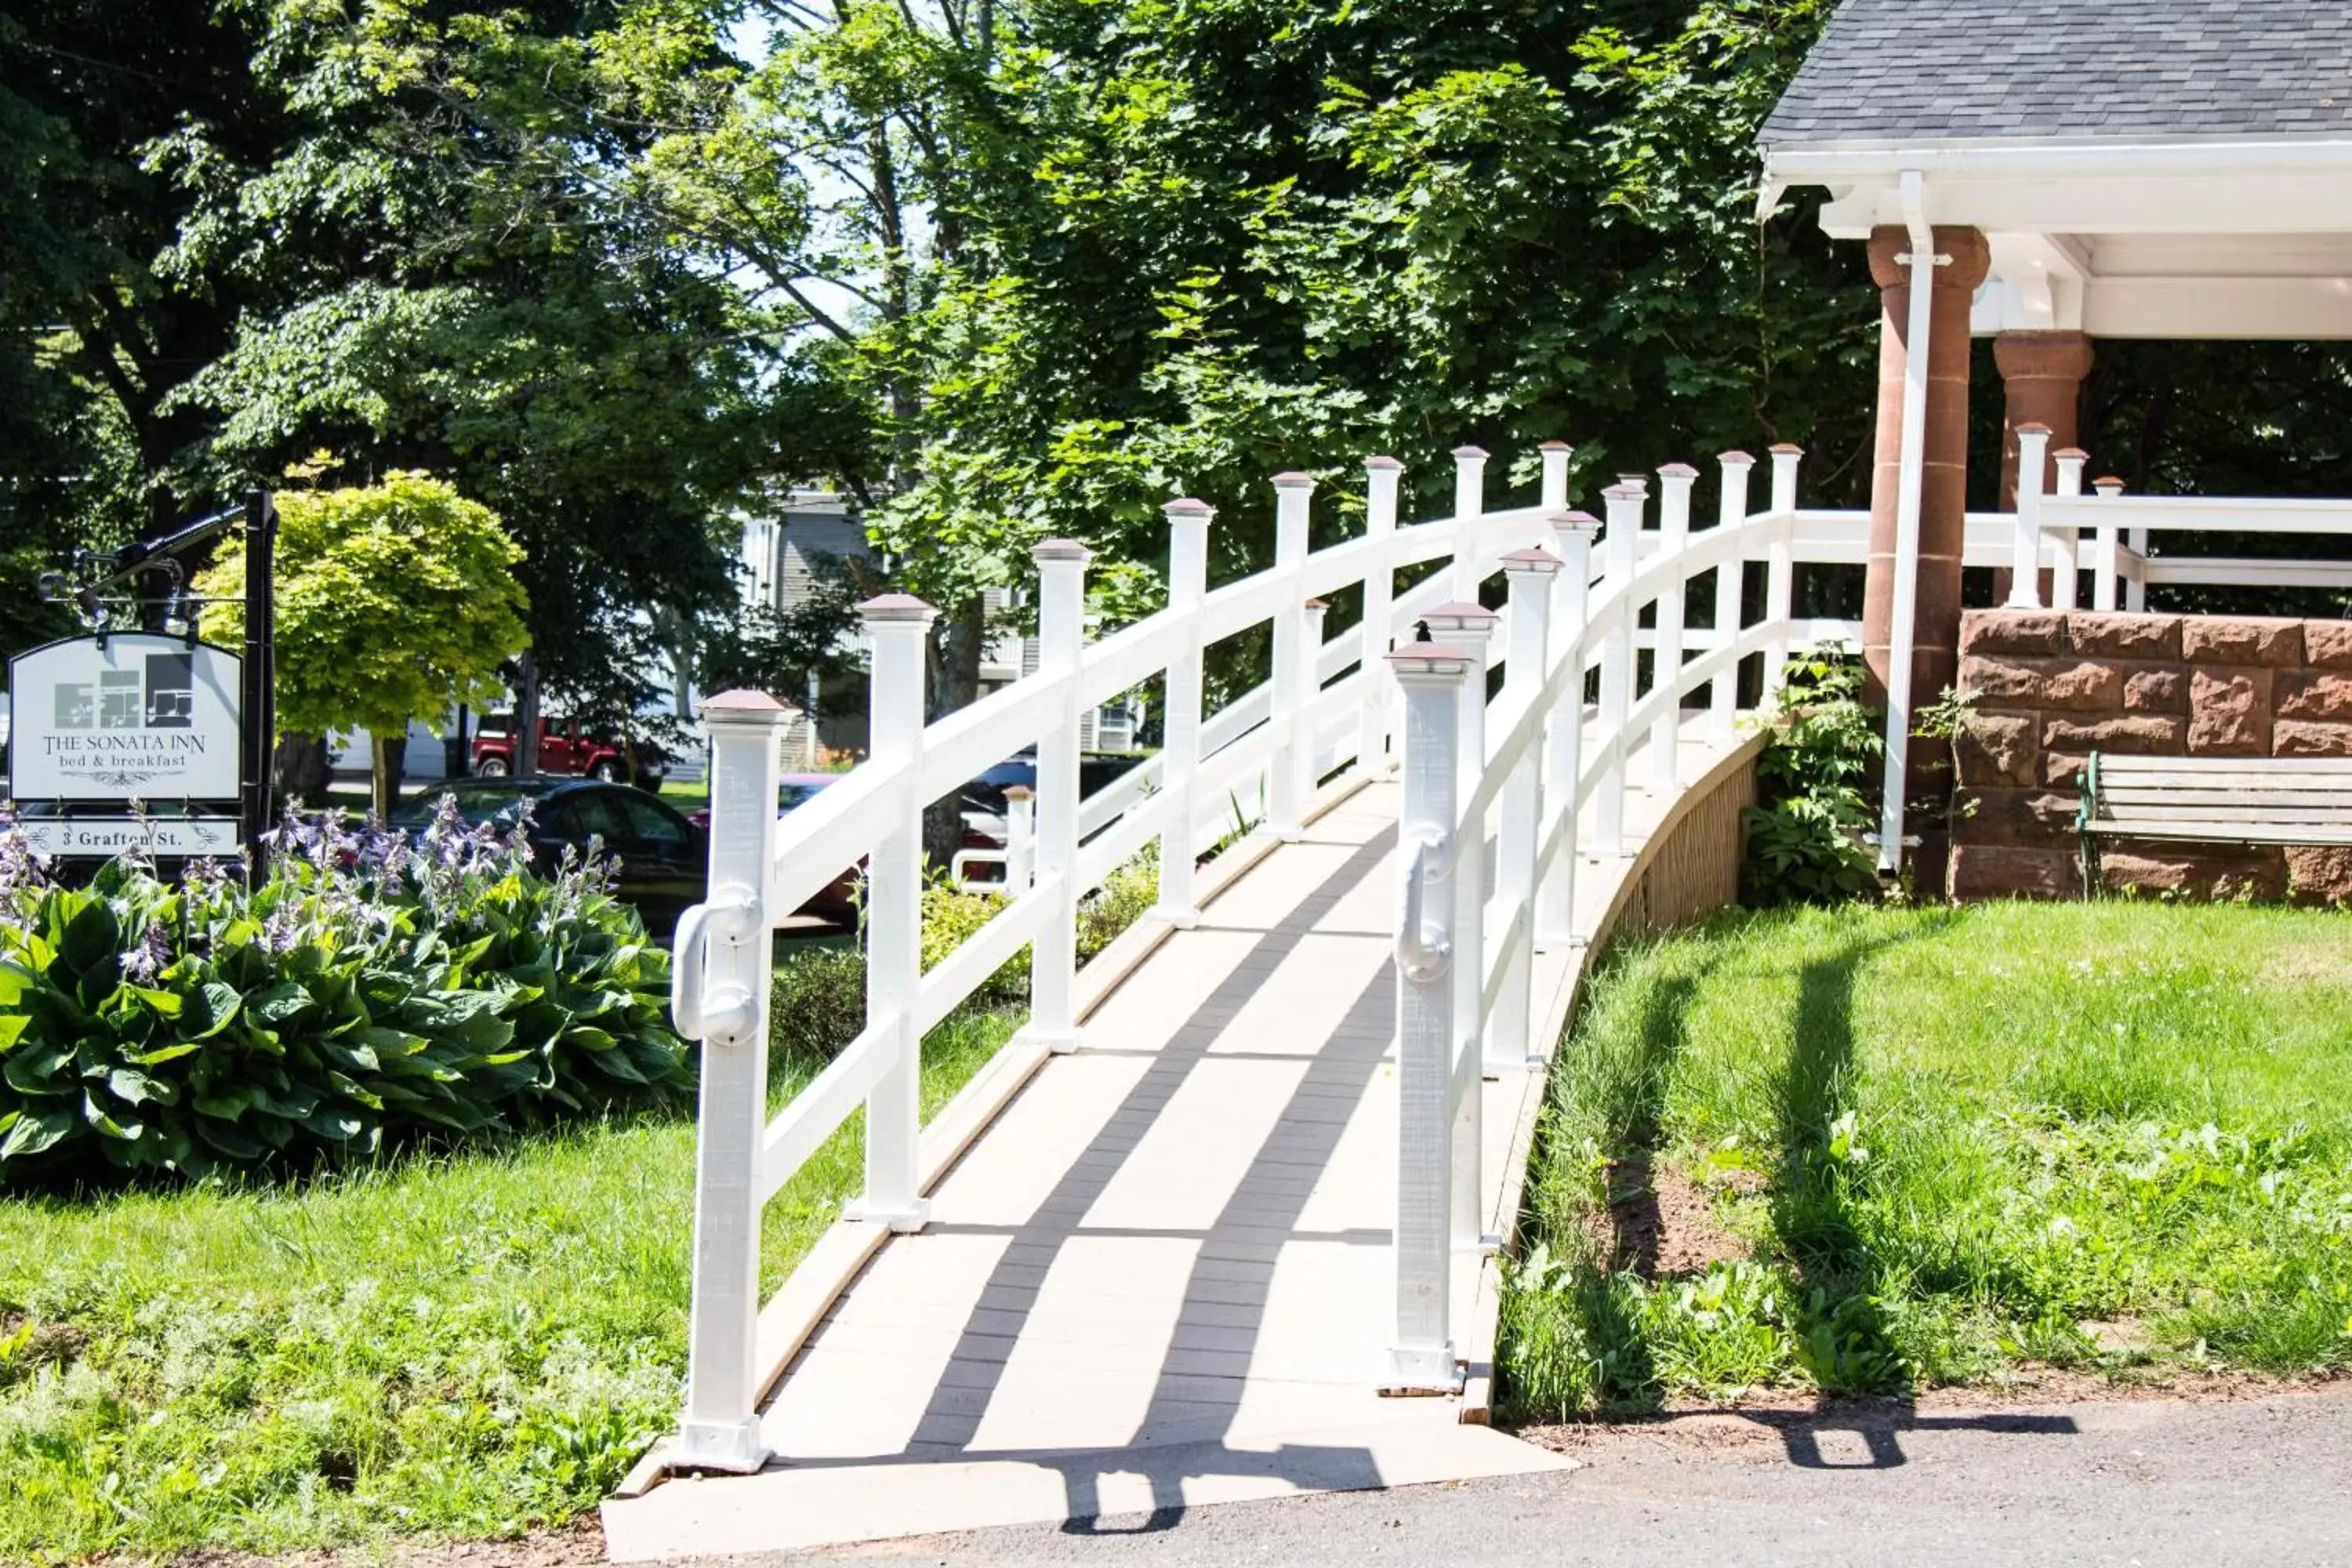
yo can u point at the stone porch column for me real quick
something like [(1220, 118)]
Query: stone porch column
[(2041, 383), (1942, 494)]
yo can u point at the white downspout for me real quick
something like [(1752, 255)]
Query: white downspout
[(1923, 260)]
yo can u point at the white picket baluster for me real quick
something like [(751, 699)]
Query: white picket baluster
[(1506, 1042), (1307, 757), (1292, 493), (1675, 483), (1622, 544), (898, 628), (1780, 564), (1730, 579), (1437, 679), (1469, 505), (1572, 593), (1380, 477), (1179, 752), (2108, 562), (1556, 456), (2025, 553), (1061, 639), (1021, 839), (2066, 573), (723, 960)]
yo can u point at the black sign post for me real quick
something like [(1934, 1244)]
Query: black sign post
[(255, 807)]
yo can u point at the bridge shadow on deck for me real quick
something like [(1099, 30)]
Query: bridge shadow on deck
[(1221, 1314)]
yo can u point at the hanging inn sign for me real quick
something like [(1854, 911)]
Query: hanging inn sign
[(103, 730), (141, 738)]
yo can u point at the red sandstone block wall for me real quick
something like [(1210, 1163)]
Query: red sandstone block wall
[(2052, 687)]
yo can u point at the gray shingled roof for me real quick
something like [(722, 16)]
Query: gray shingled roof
[(1930, 70)]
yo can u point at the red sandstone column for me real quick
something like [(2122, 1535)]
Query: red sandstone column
[(2041, 383), (1943, 491)]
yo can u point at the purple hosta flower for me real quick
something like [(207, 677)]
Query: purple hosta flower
[(143, 963), (445, 835), (282, 931)]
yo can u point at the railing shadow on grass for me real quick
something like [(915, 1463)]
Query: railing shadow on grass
[(1843, 1336)]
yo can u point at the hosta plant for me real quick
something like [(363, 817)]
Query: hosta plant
[(368, 988)]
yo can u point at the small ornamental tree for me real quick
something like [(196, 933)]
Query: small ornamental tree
[(396, 601)]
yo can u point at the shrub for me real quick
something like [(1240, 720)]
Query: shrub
[(365, 990), (1804, 836)]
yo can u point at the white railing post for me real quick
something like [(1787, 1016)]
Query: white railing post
[(2107, 561), (1020, 840), (1530, 573), (1469, 505), (1674, 482), (1179, 752), (1292, 492), (1556, 456), (1780, 564), (1306, 756), (721, 977), (2135, 590), (1623, 545), (1471, 628), (1730, 579), (1061, 639), (1556, 906), (2025, 555), (1436, 679), (1380, 477), (2065, 578), (898, 628)]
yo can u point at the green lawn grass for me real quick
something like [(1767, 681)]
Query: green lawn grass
[(466, 1344), (1939, 1146)]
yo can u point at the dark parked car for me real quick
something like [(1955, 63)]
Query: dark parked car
[(660, 856)]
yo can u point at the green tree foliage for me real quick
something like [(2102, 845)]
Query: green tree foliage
[(396, 601)]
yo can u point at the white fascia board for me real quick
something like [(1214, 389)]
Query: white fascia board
[(2205, 185), (2304, 309)]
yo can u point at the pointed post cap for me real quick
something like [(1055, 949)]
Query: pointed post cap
[(2072, 455), (1383, 465), (1187, 506), (1583, 522), (1554, 447), (1470, 453), (1060, 551), (1534, 559), (1317, 607), (1787, 449), (2034, 428), (2109, 486), (1735, 459), (1677, 471), (1627, 490), (1293, 480), (1019, 792), (1472, 623), (897, 609)]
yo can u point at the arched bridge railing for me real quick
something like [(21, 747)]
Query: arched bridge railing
[(1553, 776)]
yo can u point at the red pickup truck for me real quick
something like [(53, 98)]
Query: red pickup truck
[(563, 751)]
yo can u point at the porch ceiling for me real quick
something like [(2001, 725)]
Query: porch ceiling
[(2197, 237)]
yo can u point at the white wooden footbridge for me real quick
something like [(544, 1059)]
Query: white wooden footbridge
[(1234, 1194)]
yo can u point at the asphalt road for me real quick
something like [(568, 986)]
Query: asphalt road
[(2151, 1482)]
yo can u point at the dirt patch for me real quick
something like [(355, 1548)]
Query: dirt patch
[(1662, 1224), (578, 1543), (2297, 964), (46, 1344)]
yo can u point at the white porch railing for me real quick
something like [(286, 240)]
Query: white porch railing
[(1329, 705)]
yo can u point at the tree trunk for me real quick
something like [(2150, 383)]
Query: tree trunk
[(302, 769), (526, 718), (390, 755), (958, 685)]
